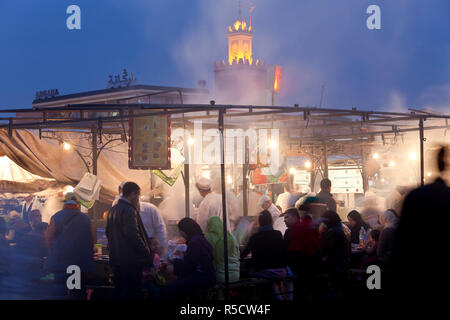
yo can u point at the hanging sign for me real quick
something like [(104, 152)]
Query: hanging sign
[(149, 143), (346, 180)]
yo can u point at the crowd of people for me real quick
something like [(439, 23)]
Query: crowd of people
[(290, 247)]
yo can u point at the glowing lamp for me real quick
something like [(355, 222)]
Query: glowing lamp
[(66, 146)]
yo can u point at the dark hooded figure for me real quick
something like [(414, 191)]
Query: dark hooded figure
[(196, 270)]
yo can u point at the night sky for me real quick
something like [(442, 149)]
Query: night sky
[(176, 42)]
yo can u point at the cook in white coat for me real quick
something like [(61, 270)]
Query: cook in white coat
[(211, 204)]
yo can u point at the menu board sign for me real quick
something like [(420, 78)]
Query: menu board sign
[(346, 180), (149, 143)]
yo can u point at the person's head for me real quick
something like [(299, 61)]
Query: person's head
[(374, 235), (265, 219), (154, 245), (131, 191), (355, 219), (214, 225), (28, 198), (204, 186), (325, 185), (70, 199), (121, 187), (14, 216), (291, 217), (35, 217), (188, 228), (388, 218), (264, 202), (331, 219)]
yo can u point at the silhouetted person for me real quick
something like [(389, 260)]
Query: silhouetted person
[(325, 196), (420, 249)]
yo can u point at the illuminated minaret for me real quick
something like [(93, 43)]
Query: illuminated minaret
[(241, 79)]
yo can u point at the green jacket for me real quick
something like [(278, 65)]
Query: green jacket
[(214, 234)]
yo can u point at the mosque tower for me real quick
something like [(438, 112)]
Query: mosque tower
[(240, 79)]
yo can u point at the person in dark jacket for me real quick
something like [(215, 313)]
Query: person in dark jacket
[(268, 250), (356, 221), (291, 218), (418, 249), (389, 222), (129, 250), (196, 270), (325, 196), (70, 242), (28, 261), (335, 245)]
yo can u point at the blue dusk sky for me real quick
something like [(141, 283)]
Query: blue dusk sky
[(176, 42)]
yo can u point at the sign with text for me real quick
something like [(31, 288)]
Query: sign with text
[(149, 144), (346, 180)]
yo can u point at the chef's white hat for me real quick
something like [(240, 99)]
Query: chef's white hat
[(203, 184)]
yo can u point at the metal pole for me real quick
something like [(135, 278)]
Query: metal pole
[(186, 171), (363, 169), (422, 139), (94, 168), (325, 159), (244, 178), (224, 200)]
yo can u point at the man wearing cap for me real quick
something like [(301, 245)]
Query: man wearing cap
[(211, 204), (278, 222)]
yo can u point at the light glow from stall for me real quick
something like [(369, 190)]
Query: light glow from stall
[(66, 146)]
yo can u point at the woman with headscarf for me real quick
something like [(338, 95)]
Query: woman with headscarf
[(388, 221), (214, 234), (196, 269), (356, 221)]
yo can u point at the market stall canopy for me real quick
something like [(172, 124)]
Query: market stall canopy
[(9, 171), (47, 159)]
